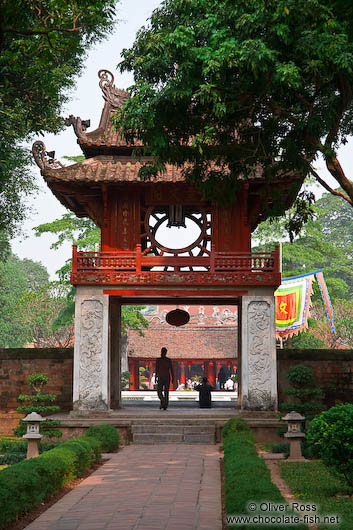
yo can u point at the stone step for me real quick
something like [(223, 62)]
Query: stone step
[(172, 428), (156, 438)]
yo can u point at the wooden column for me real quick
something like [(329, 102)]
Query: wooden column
[(182, 374), (211, 374)]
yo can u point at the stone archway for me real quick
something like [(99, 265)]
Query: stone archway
[(97, 351)]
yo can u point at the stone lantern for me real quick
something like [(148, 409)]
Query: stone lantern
[(33, 435), (294, 434)]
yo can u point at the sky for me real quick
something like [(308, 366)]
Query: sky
[(87, 102)]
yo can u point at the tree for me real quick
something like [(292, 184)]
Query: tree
[(36, 314), (43, 44), (324, 243), (86, 235), (17, 277), (251, 83)]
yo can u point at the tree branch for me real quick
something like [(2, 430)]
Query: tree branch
[(42, 31), (328, 188), (344, 101)]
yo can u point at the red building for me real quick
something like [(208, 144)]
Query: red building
[(206, 343), (135, 265)]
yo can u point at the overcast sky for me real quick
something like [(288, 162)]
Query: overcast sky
[(87, 102)]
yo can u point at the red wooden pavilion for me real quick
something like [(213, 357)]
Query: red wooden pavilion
[(133, 266)]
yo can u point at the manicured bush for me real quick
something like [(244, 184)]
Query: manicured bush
[(40, 402), (107, 435), (26, 484), (304, 396), (247, 478), (331, 438), (12, 458)]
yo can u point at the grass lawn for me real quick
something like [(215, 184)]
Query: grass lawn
[(313, 483)]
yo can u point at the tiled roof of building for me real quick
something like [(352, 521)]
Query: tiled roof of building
[(106, 169)]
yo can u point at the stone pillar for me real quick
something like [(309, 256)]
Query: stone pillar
[(258, 355), (91, 392)]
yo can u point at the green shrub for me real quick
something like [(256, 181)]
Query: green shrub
[(13, 446), (39, 402), (247, 478), (234, 425), (307, 397), (12, 458), (330, 438), (107, 435)]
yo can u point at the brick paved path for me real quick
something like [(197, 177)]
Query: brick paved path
[(169, 487)]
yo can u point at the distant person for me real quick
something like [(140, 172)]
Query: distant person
[(205, 398), (222, 377), (152, 382), (229, 384), (164, 372), (189, 384)]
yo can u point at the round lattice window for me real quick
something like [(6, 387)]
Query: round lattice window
[(192, 236)]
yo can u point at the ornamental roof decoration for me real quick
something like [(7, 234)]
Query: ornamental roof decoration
[(115, 96), (45, 159), (106, 139)]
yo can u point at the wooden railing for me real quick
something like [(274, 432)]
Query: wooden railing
[(134, 261)]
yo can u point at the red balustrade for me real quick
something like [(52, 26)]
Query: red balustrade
[(112, 267)]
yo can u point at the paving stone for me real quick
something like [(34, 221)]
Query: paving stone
[(159, 488)]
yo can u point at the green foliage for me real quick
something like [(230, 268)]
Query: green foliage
[(41, 403), (313, 483), (16, 278), (37, 313), (86, 235), (234, 425), (107, 435), (42, 49), (25, 485), (247, 478), (279, 73), (300, 375), (331, 438), (125, 380), (12, 458), (307, 397)]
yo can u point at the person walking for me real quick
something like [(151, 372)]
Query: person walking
[(164, 372)]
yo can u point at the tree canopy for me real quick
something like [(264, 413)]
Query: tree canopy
[(224, 86), (43, 44), (16, 278), (86, 235)]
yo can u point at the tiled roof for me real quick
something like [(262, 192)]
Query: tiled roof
[(107, 169)]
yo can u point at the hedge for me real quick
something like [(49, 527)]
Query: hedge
[(107, 435), (28, 483), (247, 478)]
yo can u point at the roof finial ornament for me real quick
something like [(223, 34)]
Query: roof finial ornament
[(80, 126), (44, 159), (115, 96)]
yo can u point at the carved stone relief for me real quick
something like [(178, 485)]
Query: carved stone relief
[(260, 363), (91, 356)]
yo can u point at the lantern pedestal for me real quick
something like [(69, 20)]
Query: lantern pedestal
[(32, 447), (33, 436), (294, 435)]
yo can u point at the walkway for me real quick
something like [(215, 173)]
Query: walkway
[(160, 487)]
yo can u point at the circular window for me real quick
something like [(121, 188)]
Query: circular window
[(177, 237), (176, 240)]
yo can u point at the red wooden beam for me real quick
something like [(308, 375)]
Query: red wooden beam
[(184, 293)]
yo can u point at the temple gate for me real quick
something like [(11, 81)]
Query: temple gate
[(135, 265)]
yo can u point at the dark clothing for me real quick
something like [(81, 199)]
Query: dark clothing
[(163, 391), (164, 371), (164, 367), (205, 399), (222, 377)]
